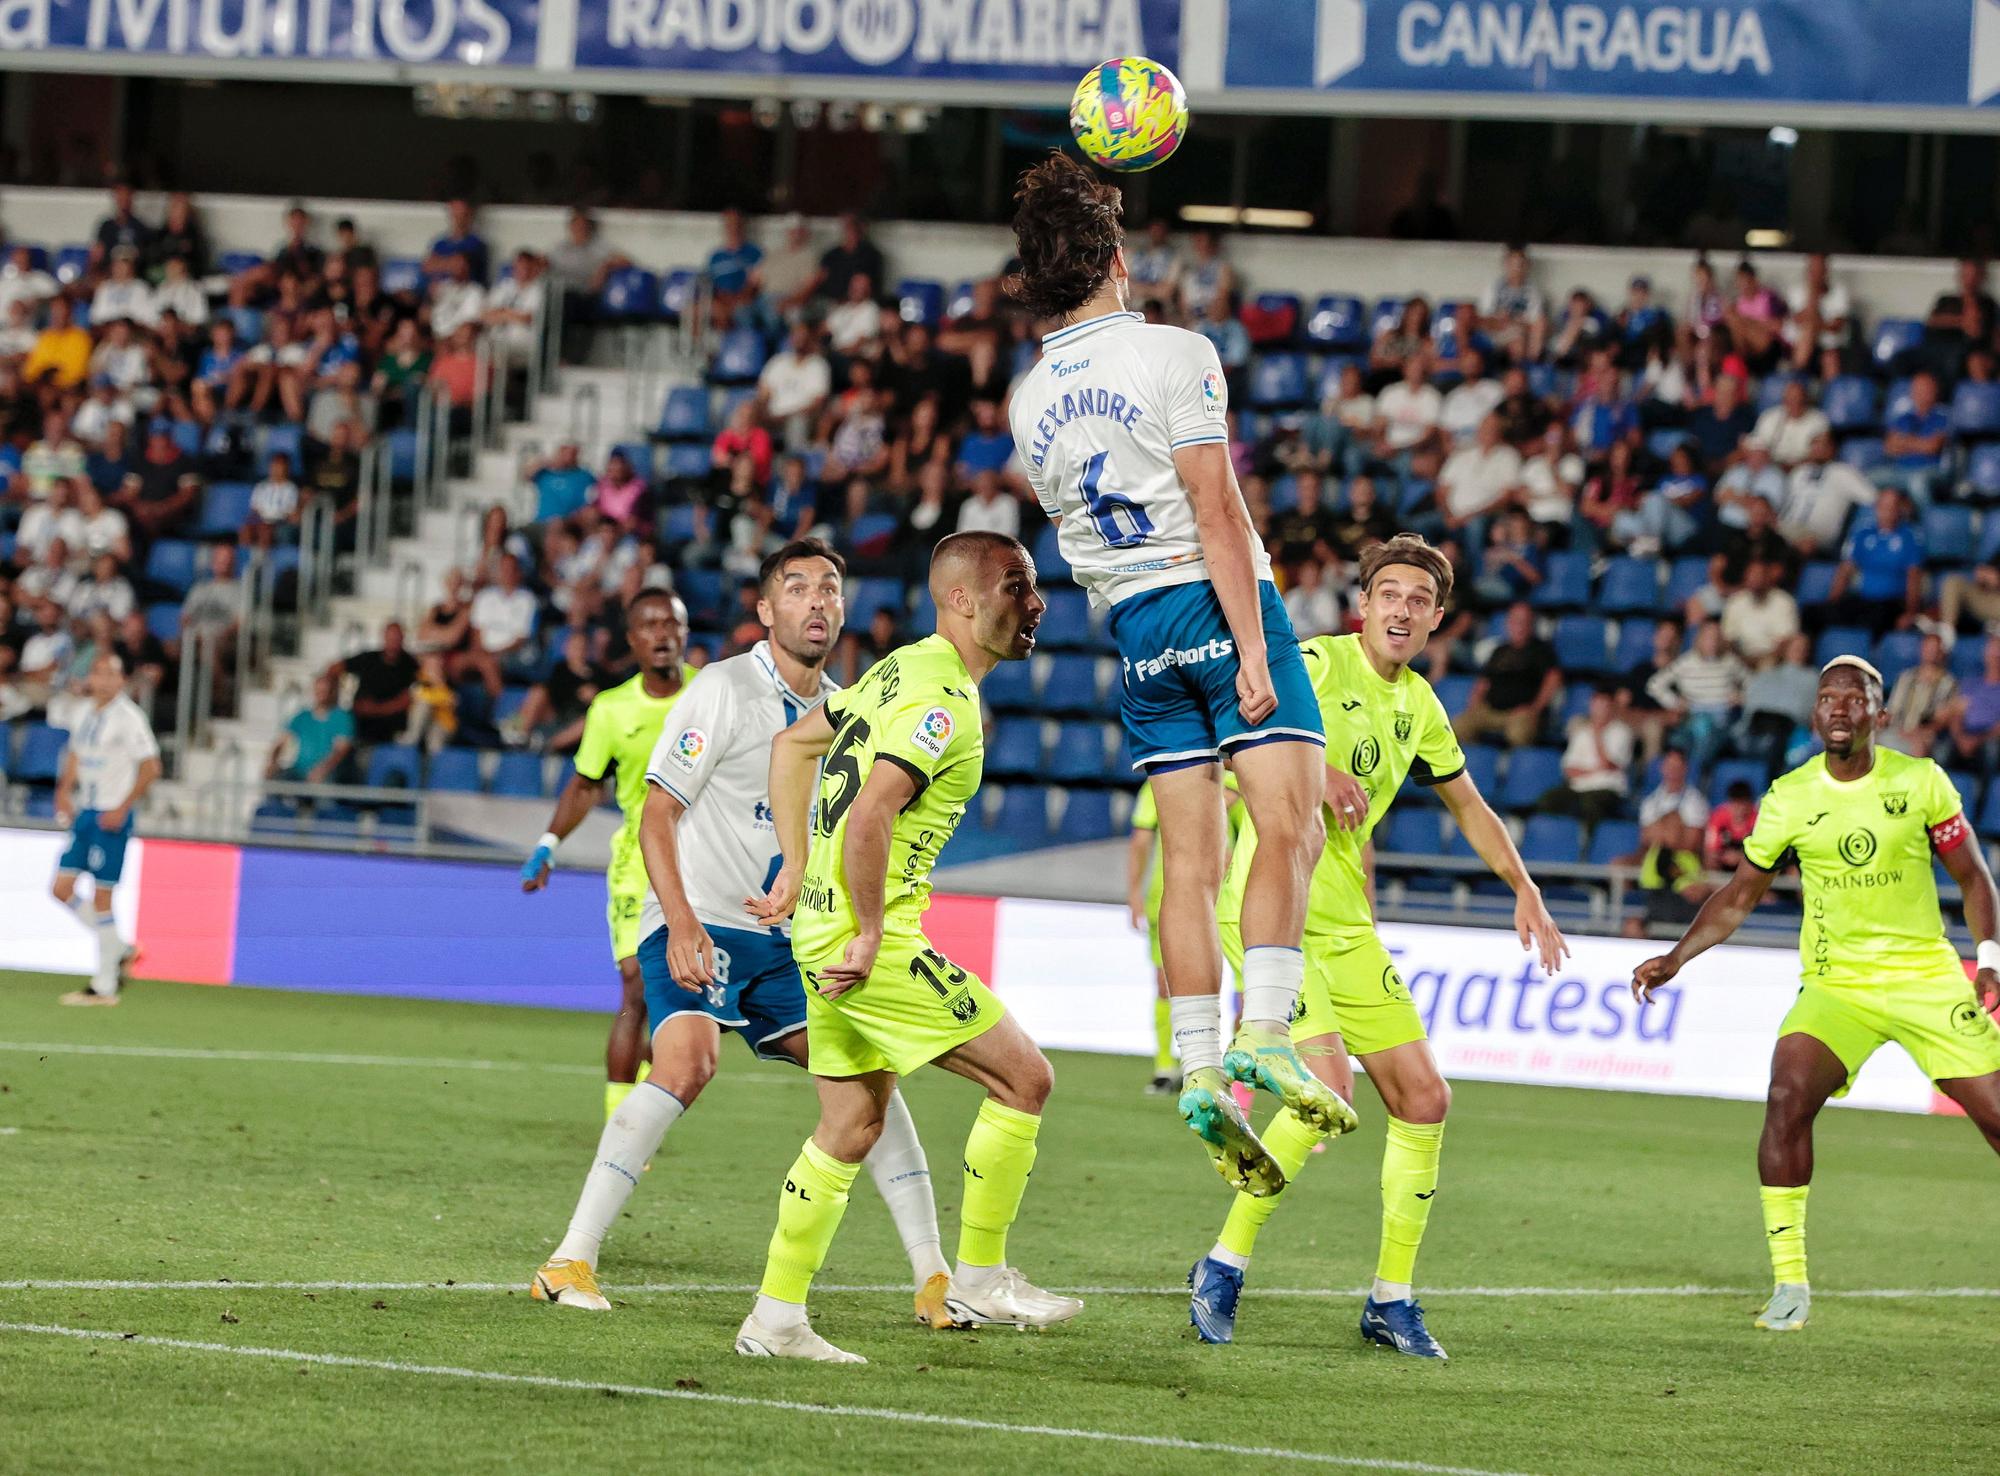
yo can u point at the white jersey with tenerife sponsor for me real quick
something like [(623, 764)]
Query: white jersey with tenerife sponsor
[(714, 756), (1097, 423), (110, 742)]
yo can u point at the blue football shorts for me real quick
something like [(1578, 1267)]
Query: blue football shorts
[(1180, 678), (95, 850), (757, 991)]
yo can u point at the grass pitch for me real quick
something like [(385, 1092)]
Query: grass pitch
[(171, 1140)]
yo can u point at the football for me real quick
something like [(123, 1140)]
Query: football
[(1129, 114)]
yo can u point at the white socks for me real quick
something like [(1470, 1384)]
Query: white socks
[(1272, 978), (974, 1278), (1228, 1257), (110, 947), (1197, 1022), (630, 1138), (777, 1315), (903, 1178), (1391, 1291)]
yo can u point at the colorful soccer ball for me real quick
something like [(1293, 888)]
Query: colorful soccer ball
[(1129, 114)]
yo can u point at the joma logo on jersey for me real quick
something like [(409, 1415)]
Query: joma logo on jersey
[(1152, 666)]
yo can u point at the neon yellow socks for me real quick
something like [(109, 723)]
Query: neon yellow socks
[(1164, 1062), (1785, 1231), (615, 1092), (1409, 1180), (1290, 1142), (999, 1154), (809, 1212)]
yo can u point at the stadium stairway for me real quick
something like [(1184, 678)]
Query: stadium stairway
[(216, 784)]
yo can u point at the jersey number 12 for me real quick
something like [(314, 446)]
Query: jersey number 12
[(1120, 521)]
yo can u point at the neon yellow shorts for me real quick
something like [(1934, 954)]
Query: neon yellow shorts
[(916, 1005), (1232, 946), (1353, 988), (625, 898), (1937, 1020)]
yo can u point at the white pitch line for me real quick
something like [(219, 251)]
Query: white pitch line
[(741, 1401), (318, 1058), (685, 1288)]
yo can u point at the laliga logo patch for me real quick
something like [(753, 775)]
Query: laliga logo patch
[(689, 747), (1211, 391), (933, 733)]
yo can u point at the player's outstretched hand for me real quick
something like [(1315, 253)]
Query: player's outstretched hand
[(1987, 983), (1256, 699), (535, 870), (776, 905), (854, 967), (1349, 802), (1653, 975), (1538, 931), (690, 956)]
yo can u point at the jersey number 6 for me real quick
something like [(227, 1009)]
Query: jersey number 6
[(1120, 521)]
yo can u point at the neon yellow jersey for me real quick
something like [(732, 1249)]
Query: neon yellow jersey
[(917, 708), (1864, 854), (1146, 816), (1381, 732), (619, 732)]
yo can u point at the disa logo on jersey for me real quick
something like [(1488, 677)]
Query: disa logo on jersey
[(689, 747), (933, 733)]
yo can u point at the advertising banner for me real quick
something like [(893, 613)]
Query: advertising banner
[(1919, 53)]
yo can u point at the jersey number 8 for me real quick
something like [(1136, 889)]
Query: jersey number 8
[(1120, 521)]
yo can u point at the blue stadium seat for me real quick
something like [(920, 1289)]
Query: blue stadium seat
[(40, 758), (702, 591), (1863, 453), (402, 448), (1967, 659), (1815, 586), (1687, 575), (1896, 399), (235, 263), (1010, 686), (1337, 322), (1565, 582), (638, 455), (1949, 534), (1072, 685), (918, 300), (225, 508), (1482, 764), (394, 766), (1989, 813), (1531, 773), (1552, 840), (1630, 586), (1612, 839), (1024, 812), (1968, 785), (71, 263), (1842, 640), (685, 461), (1330, 372), (958, 302), (1982, 470), (1853, 402), (1575, 702), (739, 358), (1896, 652), (170, 563), (678, 289), (1579, 643), (1015, 748), (684, 417), (519, 775), (1772, 393), (677, 525), (1975, 410), (1079, 755), (163, 621), (871, 595), (288, 437), (873, 534), (1049, 561), (249, 324), (1067, 622), (187, 436), (1732, 771), (1087, 817), (1455, 692), (513, 697), (402, 275), (1661, 444), (1894, 339), (1544, 381), (1279, 381), (454, 771), (1634, 647), (630, 295), (1388, 312), (1411, 832)]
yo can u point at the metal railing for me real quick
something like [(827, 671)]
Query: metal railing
[(194, 698)]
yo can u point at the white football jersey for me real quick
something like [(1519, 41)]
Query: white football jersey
[(1097, 422), (110, 742), (714, 756)]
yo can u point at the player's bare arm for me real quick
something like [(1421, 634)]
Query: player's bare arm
[(864, 855), (1967, 865), (1720, 916), (795, 756), (579, 797), (1346, 800), (66, 788), (1228, 544), (690, 951), (149, 772), (1487, 834)]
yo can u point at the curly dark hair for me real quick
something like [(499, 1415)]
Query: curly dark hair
[(1068, 224)]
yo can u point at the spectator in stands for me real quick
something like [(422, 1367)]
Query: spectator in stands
[(1217, 322), (514, 306), (1778, 704), (123, 360), (296, 255), (1718, 428), (146, 659), (401, 373), (1312, 601), (1335, 437), (1361, 524), (1920, 702), (793, 386), (854, 326), (215, 602), (456, 373), (1468, 403), (446, 629), (57, 456), (1973, 719), (743, 438), (1701, 689), (1581, 332), (1475, 482), (1915, 441), (503, 622), (61, 355), (224, 365), (620, 494), (1613, 488), (1759, 618), (786, 275), (160, 497), (1674, 811), (1962, 319), (461, 239), (1302, 534), (122, 293), (1880, 581), (990, 508), (319, 739), (1206, 278), (562, 484), (551, 716), (1154, 270), (1640, 322), (732, 274), (1523, 413), (1512, 313), (1752, 478), (120, 230), (275, 506), (433, 705), (1976, 594), (45, 657), (1755, 315), (106, 467), (1396, 343), (17, 336), (854, 254), (50, 577), (1406, 439), (98, 529), (1788, 429), (1667, 518), (341, 402), (497, 541), (1820, 313), (1728, 827), (456, 300), (1510, 561), (1550, 480), (1596, 764), (277, 367), (1515, 687), (96, 415), (180, 237), (1819, 496), (22, 281), (383, 679)]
